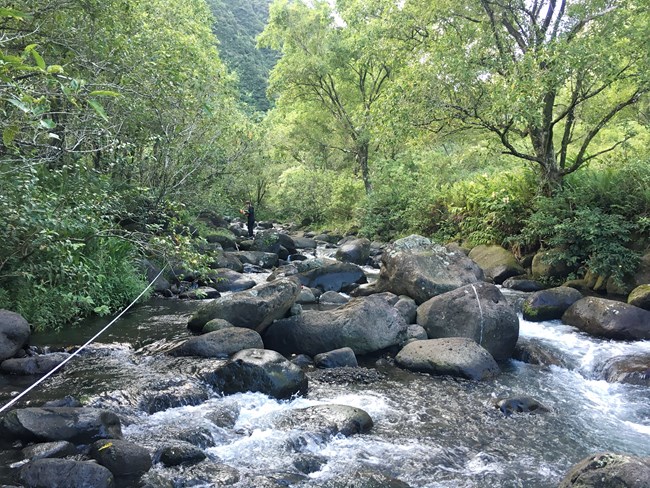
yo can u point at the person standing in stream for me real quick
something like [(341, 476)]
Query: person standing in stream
[(250, 214)]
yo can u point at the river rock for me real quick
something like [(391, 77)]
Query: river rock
[(259, 258), (549, 304), (416, 332), (366, 324), (262, 371), (497, 263), (179, 454), (479, 312), (455, 356), (77, 425), (332, 297), (326, 420), (306, 296), (336, 359), (224, 279), (531, 351), (253, 309), (200, 293), (633, 369), (220, 343), (543, 266), (304, 242), (523, 284), (608, 318), (40, 364), (122, 458), (222, 260), (407, 308), (521, 404), (171, 393), (55, 473), (355, 251), (215, 325), (365, 478), (58, 449), (609, 470), (416, 267), (207, 474), (329, 275), (14, 333), (640, 297), (227, 242)]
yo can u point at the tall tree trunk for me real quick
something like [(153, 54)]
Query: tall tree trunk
[(362, 160)]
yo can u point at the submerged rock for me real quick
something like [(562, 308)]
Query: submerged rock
[(40, 364), (179, 453), (522, 404), (633, 370), (327, 420), (454, 356), (609, 470)]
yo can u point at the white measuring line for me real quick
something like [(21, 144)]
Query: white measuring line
[(62, 363)]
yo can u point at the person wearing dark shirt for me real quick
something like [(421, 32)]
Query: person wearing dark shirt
[(250, 215)]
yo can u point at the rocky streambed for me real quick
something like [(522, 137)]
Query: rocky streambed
[(500, 400)]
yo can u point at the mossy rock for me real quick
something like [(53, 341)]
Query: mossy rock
[(640, 297)]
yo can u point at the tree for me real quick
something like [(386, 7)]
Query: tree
[(543, 76), (333, 71)]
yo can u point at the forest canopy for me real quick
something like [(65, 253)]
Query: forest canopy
[(520, 123)]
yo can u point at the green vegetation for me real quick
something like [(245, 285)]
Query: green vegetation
[(523, 124)]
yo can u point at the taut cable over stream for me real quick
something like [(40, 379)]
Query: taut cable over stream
[(69, 358)]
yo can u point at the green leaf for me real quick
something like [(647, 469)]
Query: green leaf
[(98, 108), (19, 104), (105, 93), (13, 13), (9, 134), (38, 59), (47, 123)]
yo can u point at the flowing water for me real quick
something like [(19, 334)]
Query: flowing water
[(428, 431)]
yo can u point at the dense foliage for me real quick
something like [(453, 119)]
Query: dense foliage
[(523, 124)]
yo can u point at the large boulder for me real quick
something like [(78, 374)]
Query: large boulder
[(14, 333), (497, 263), (640, 297), (122, 458), (355, 251), (40, 364), (259, 370), (55, 473), (329, 275), (416, 267), (479, 312), (608, 318), (227, 260), (78, 425), (225, 279), (265, 260), (545, 266), (455, 356), (609, 470), (42, 450), (365, 324), (549, 304), (220, 343), (253, 309)]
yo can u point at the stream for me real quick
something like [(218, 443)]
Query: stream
[(433, 432)]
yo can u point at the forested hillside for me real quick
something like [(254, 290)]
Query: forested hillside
[(524, 124), (237, 24)]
